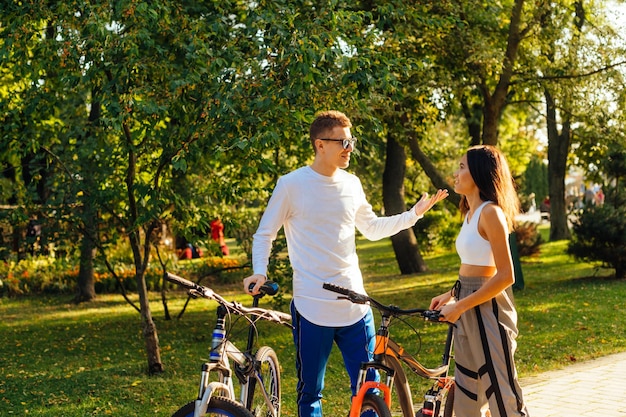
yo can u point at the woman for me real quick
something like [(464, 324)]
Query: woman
[(481, 302)]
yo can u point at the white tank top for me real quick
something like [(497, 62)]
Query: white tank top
[(472, 248)]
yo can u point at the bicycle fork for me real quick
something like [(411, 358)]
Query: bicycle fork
[(217, 363), (363, 385), (435, 395)]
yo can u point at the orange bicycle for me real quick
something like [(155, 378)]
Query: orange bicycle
[(374, 397)]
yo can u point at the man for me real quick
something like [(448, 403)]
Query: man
[(320, 206)]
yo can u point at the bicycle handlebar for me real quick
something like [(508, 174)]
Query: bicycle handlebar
[(269, 288), (391, 310)]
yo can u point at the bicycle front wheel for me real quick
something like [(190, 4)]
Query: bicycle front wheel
[(218, 406), (374, 406), (448, 410), (267, 369)]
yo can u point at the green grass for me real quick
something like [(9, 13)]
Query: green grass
[(60, 359)]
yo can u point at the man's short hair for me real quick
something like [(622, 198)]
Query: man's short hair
[(326, 121)]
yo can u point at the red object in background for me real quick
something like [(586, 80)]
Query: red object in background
[(190, 252), (217, 234)]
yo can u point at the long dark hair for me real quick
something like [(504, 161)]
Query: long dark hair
[(491, 174)]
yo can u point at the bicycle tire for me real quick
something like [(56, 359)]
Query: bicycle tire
[(374, 406), (218, 406), (448, 407), (401, 388), (268, 368)]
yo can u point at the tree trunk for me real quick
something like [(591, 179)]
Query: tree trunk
[(474, 117), (404, 243), (431, 171), (86, 281), (149, 330), (558, 149), (494, 103), (141, 259)]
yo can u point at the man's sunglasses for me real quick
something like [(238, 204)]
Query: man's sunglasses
[(345, 143)]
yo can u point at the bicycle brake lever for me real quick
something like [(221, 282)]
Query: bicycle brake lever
[(432, 315), (355, 298), (194, 293)]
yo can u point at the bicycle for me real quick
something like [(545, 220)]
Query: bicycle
[(258, 373), (388, 357)]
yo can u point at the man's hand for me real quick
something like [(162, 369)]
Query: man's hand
[(257, 280), (425, 203)]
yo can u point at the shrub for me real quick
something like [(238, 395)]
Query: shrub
[(599, 231), (438, 229), (223, 270), (528, 239), (36, 275), (599, 234)]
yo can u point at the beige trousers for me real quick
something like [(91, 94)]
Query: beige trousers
[(484, 346)]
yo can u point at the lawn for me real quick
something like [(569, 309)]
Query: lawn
[(60, 359)]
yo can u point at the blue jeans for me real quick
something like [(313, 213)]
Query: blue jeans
[(313, 345)]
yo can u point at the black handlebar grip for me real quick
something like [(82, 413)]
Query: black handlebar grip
[(181, 281), (336, 288), (268, 288)]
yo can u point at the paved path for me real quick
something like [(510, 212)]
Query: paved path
[(595, 388)]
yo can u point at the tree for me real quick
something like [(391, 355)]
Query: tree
[(155, 88), (487, 61), (476, 60), (143, 113), (152, 81), (392, 82), (576, 48), (404, 243)]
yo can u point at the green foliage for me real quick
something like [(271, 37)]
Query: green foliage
[(437, 230), (192, 90), (599, 234), (36, 275), (599, 231), (46, 275), (535, 180)]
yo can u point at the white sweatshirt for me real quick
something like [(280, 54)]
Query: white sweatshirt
[(319, 214)]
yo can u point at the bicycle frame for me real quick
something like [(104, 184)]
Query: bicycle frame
[(393, 355), (223, 351), (389, 357), (225, 386)]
